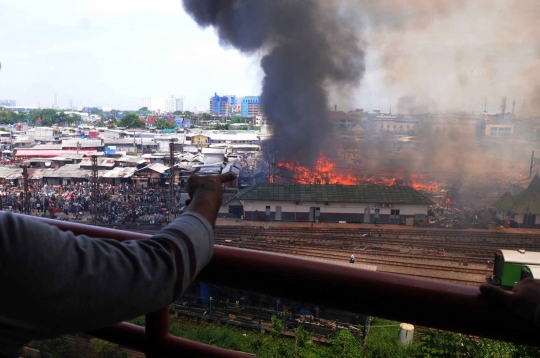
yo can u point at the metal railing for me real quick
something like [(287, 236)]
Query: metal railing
[(418, 301)]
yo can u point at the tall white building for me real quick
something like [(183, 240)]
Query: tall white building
[(163, 105)]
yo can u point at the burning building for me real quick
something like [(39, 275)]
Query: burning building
[(334, 203)]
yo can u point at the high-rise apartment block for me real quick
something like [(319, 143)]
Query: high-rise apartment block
[(251, 106), (163, 105), (223, 105)]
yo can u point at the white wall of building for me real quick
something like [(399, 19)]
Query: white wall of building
[(333, 207)]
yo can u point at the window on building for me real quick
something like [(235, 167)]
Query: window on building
[(394, 213), (267, 211)]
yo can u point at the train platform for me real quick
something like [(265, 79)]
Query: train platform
[(362, 226)]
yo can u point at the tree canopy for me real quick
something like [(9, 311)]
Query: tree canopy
[(163, 124), (131, 120)]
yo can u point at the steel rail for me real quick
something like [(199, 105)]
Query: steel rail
[(429, 303)]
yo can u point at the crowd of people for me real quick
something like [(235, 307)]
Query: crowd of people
[(114, 204)]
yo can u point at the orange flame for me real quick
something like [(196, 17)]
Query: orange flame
[(326, 172)]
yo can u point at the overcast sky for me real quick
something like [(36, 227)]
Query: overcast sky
[(112, 53)]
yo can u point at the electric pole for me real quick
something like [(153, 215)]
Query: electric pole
[(95, 188), (171, 176)]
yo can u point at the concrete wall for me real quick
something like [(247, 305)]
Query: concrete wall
[(331, 212)]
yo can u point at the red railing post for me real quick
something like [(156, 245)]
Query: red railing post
[(157, 328)]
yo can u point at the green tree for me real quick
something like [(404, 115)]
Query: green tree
[(104, 349), (131, 120), (346, 345), (54, 348), (163, 124), (178, 113), (143, 109), (276, 327)]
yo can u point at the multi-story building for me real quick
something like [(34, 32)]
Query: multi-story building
[(8, 103), (222, 105), (163, 105), (251, 106)]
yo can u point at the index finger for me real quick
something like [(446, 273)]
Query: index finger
[(224, 178)]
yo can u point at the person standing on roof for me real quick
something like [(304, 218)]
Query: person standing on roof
[(351, 260)]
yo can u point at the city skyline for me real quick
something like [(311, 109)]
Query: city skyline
[(103, 54)]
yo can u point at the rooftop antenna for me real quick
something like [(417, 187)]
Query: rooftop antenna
[(514, 107), (485, 105), (503, 107)]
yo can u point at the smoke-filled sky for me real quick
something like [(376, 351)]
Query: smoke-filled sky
[(423, 54)]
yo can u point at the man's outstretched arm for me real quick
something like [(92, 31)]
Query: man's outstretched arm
[(54, 282)]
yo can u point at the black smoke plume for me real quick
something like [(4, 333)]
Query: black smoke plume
[(309, 46)]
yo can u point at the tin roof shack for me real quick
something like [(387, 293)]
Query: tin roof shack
[(39, 162), (102, 163), (119, 175), (153, 175), (82, 144), (522, 208), (213, 155), (131, 161), (334, 203), (66, 175), (10, 176), (68, 158)]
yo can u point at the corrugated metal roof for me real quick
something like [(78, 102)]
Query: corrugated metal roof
[(102, 162), (120, 172), (130, 159), (157, 167), (10, 173), (84, 143), (334, 193), (68, 171), (40, 173)]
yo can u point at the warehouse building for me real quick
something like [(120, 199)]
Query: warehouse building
[(332, 203)]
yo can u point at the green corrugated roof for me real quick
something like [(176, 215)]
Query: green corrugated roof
[(334, 193), (506, 202), (528, 201)]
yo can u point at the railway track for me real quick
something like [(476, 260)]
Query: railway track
[(404, 252)]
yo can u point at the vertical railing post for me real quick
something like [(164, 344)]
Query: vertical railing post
[(157, 327), (210, 306)]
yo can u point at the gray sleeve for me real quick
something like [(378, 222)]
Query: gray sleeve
[(53, 282)]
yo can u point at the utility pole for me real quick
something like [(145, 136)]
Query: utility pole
[(514, 107), (95, 188), (26, 198), (171, 177), (485, 105), (503, 107)]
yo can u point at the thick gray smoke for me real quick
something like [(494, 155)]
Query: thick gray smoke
[(309, 47)]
